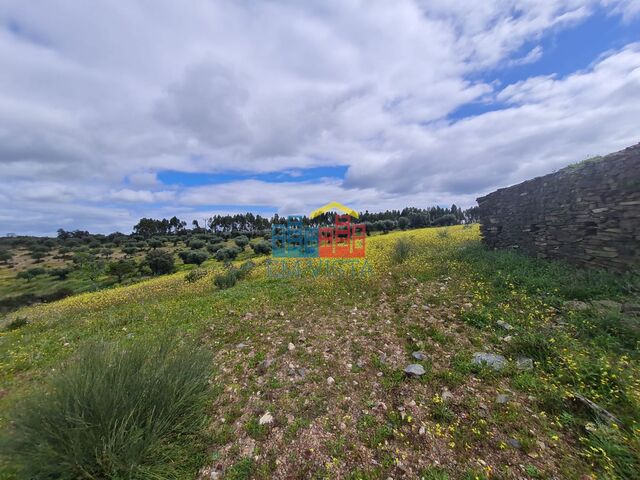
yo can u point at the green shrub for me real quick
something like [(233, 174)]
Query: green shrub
[(605, 448), (195, 257), (214, 247), (241, 241), (114, 413), (195, 275), (401, 250), (227, 253), (160, 262), (261, 247), (196, 244), (232, 275)]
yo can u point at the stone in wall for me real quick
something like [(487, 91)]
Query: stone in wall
[(587, 214)]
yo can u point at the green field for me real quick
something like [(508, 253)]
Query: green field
[(325, 358)]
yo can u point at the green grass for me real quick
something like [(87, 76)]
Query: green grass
[(114, 412), (590, 352)]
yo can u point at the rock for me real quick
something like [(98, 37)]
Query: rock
[(507, 339), (264, 365), (240, 346), (497, 362), (575, 305), (330, 381), (383, 358), (301, 372), (607, 305), (414, 370), (419, 356), (631, 308), (524, 363), (502, 399), (360, 363), (513, 443), (505, 325), (291, 347), (446, 395), (266, 419)]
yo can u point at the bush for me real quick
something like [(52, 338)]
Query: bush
[(213, 248), (401, 250), (227, 253), (5, 256), (31, 273), (196, 244), (195, 275), (232, 275), (113, 413), (261, 247), (194, 257), (121, 268), (156, 243), (60, 273), (160, 262), (241, 241)]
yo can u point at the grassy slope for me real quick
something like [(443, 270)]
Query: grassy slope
[(372, 422)]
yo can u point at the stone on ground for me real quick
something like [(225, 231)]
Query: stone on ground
[(414, 370), (497, 362)]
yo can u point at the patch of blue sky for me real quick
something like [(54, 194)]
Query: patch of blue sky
[(564, 51), (191, 179)]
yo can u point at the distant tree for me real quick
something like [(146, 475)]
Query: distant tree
[(445, 220), (227, 253), (129, 249), (196, 243), (241, 241), (31, 273), (38, 254), (155, 243), (261, 247), (5, 256), (403, 223), (196, 257), (121, 268), (160, 262), (213, 248), (60, 273)]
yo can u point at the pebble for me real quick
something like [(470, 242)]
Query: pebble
[(502, 398), (514, 443), (415, 370), (497, 362), (330, 381), (291, 347), (419, 356), (446, 395), (266, 419), (524, 363), (505, 325)]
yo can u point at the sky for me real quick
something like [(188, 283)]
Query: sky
[(115, 110)]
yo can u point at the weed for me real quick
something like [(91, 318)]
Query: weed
[(401, 250), (113, 413), (433, 473), (241, 470)]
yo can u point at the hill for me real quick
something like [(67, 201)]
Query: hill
[(307, 374)]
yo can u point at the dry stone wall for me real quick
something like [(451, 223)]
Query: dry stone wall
[(587, 214)]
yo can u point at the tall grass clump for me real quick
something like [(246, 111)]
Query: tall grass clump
[(115, 413), (232, 275), (401, 250)]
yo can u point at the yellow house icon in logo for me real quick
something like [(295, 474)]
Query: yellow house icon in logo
[(334, 206)]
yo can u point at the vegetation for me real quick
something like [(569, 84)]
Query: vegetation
[(276, 343), (113, 412)]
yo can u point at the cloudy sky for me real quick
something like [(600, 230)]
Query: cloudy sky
[(114, 110)]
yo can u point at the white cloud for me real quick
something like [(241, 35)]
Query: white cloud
[(96, 98)]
